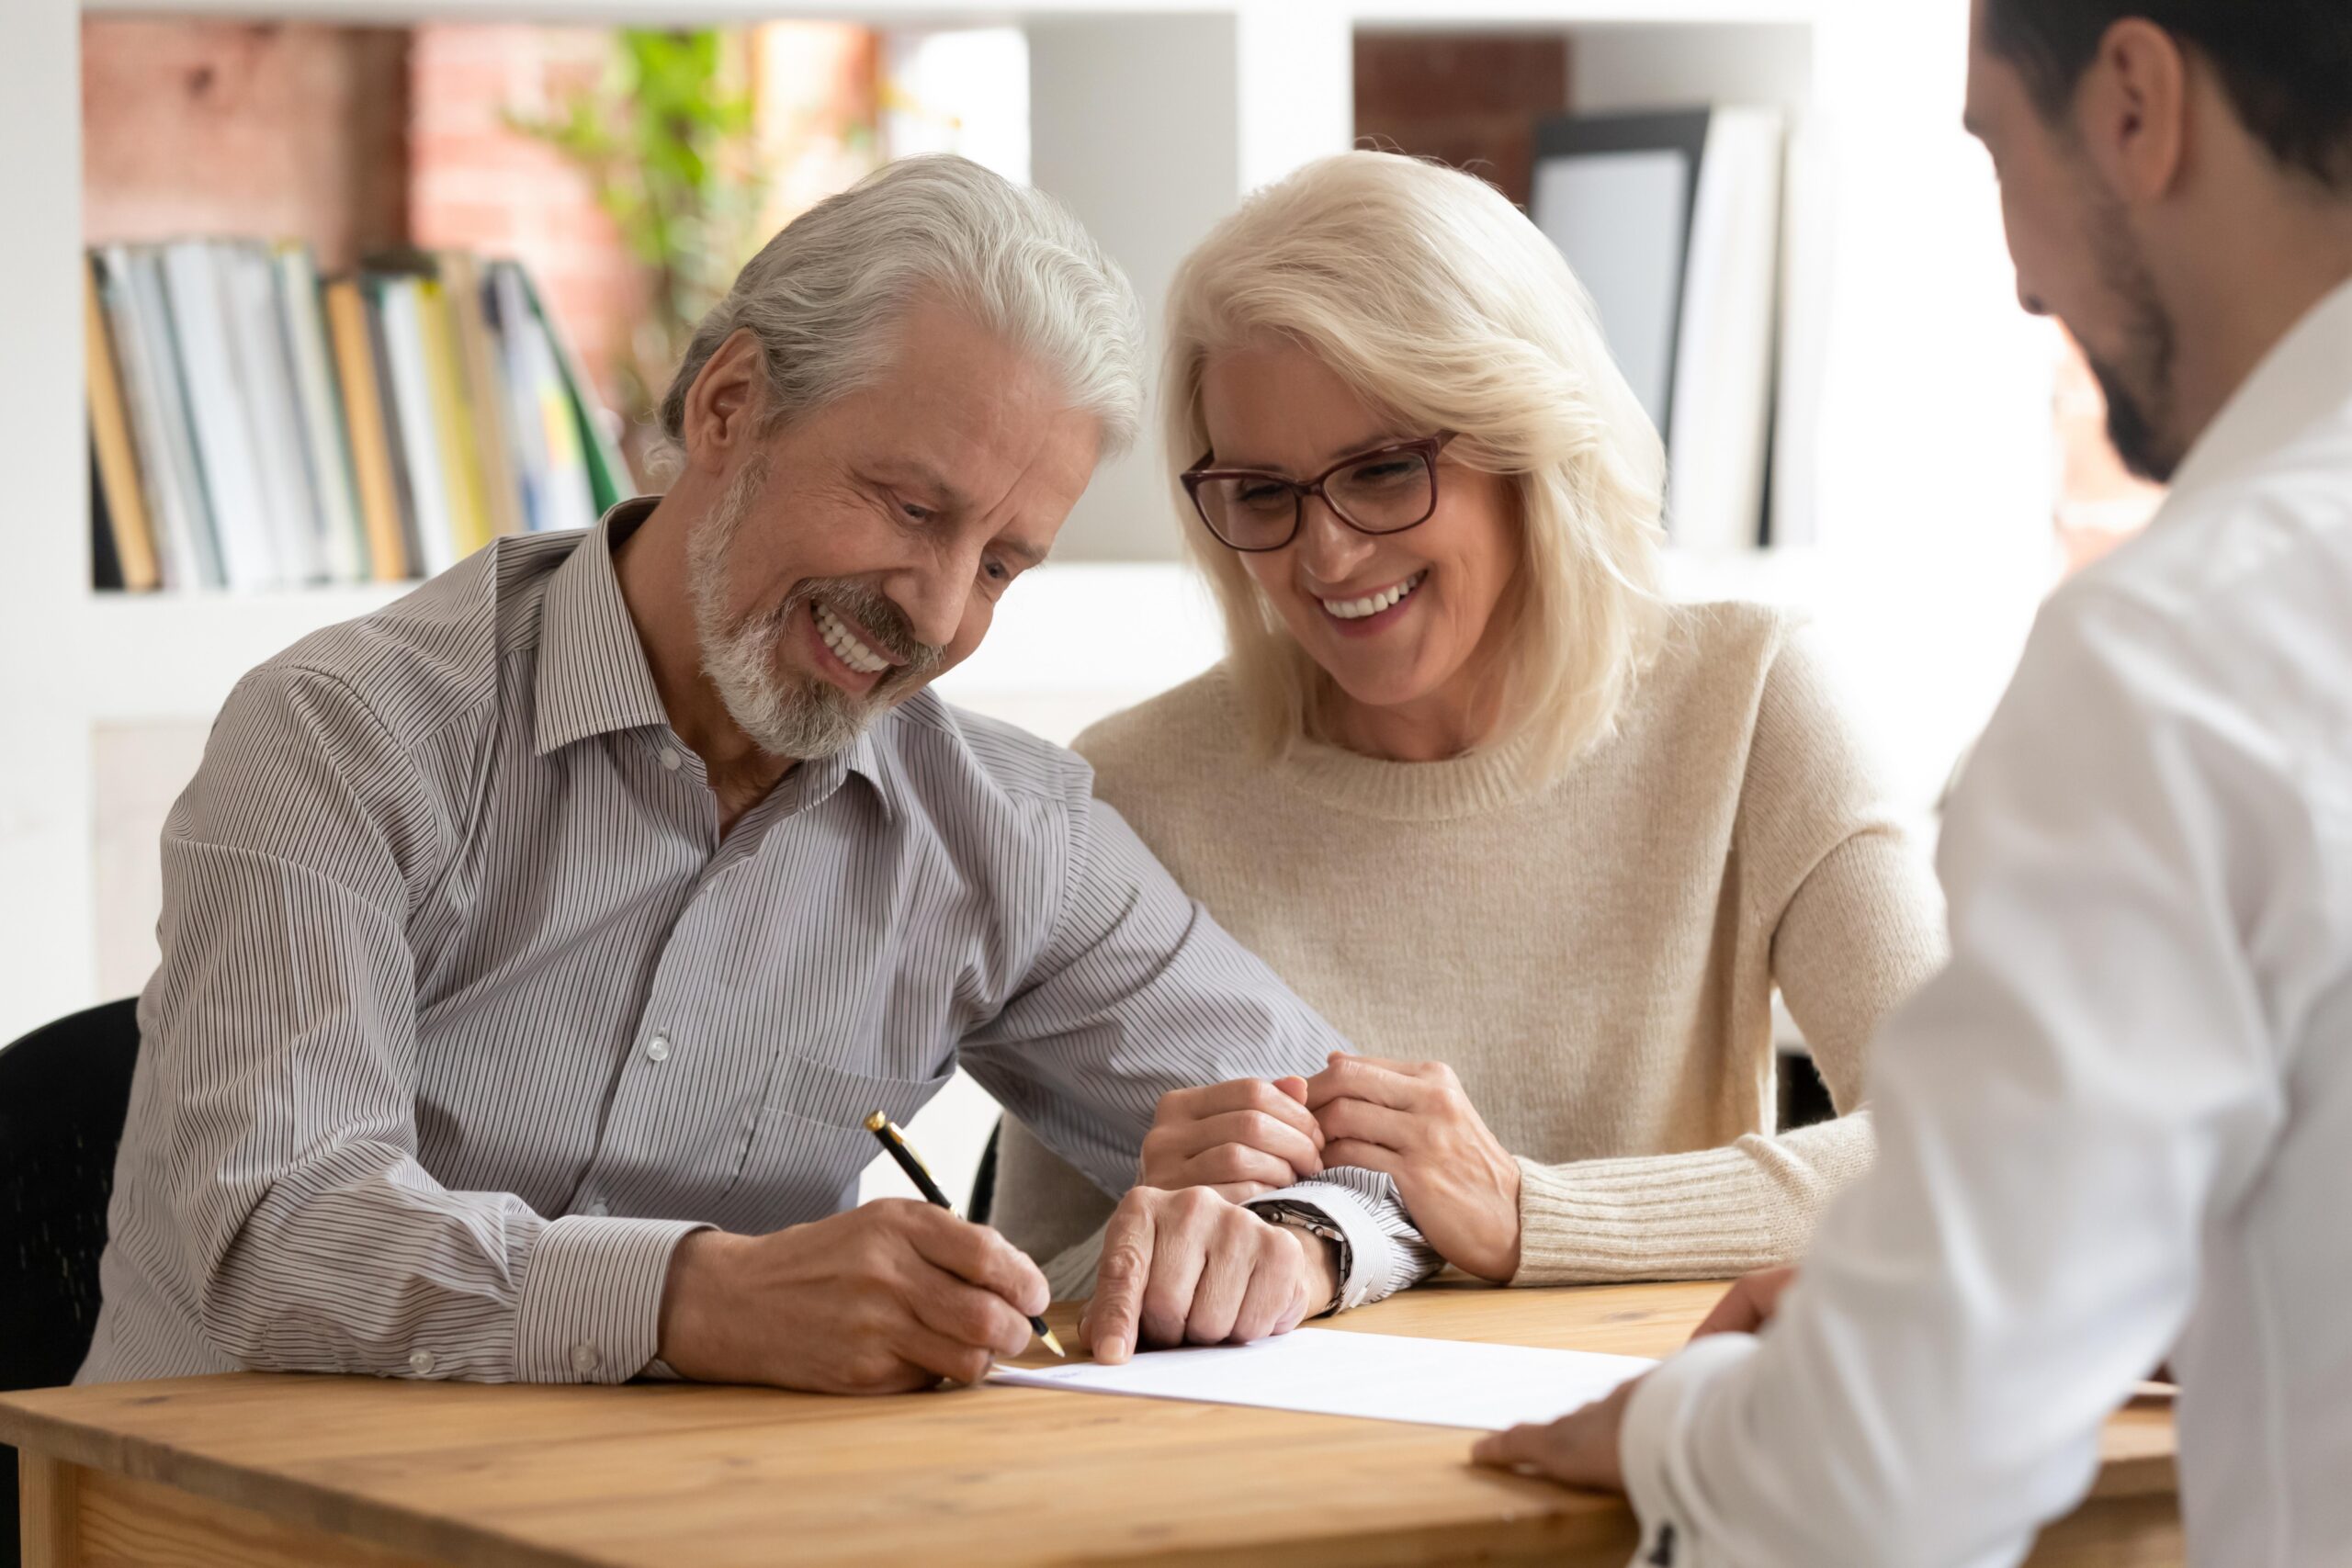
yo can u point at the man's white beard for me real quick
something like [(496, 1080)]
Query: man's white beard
[(800, 717)]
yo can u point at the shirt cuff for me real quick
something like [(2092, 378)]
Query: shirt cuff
[(1654, 1454), (1373, 1256), (592, 1298)]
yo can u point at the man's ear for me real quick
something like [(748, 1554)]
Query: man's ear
[(723, 406), (2134, 107)]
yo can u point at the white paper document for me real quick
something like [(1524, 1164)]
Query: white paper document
[(1387, 1377)]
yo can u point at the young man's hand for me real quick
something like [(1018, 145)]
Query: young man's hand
[(1579, 1449)]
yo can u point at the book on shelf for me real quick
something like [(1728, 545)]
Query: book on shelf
[(127, 539), (1672, 221), (254, 424)]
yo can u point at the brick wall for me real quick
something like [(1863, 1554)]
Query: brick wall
[(363, 140), (284, 129), (816, 87), (1468, 99), (477, 183)]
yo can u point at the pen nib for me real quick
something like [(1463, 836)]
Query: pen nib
[(1053, 1345)]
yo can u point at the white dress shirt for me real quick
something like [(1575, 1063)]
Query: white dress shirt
[(2119, 1127)]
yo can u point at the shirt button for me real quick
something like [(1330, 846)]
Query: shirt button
[(600, 1208), (585, 1360), (658, 1048), (421, 1364), (671, 759)]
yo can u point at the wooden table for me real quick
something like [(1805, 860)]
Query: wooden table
[(273, 1471)]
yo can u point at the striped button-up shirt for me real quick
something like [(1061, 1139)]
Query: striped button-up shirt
[(468, 1010)]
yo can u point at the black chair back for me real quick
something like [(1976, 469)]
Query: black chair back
[(63, 1092), (983, 1200)]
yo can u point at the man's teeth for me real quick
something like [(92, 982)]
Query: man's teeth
[(1357, 609), (845, 646)]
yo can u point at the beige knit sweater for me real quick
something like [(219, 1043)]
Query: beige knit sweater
[(1595, 956)]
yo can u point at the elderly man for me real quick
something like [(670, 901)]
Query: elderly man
[(534, 948)]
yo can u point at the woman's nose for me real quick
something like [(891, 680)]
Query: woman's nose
[(1327, 548)]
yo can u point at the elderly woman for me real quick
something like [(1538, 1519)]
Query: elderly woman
[(1539, 843)]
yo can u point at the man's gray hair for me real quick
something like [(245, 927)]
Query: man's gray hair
[(826, 296)]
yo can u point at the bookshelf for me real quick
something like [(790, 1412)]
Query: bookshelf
[(1936, 453)]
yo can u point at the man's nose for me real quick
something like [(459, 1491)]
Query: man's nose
[(1327, 546), (932, 597)]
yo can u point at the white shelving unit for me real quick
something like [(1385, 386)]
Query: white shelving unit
[(1151, 122)]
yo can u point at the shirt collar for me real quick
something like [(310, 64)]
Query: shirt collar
[(820, 777), (592, 677), (2305, 376)]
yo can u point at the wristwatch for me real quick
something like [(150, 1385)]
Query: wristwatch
[(1299, 1217)]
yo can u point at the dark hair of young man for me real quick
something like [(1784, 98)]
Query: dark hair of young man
[(2287, 64)]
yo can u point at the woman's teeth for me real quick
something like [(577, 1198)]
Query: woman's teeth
[(845, 646), (1371, 604)]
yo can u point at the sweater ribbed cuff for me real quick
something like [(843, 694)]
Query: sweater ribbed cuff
[(1706, 1216)]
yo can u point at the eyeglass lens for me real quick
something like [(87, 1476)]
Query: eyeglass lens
[(1384, 493)]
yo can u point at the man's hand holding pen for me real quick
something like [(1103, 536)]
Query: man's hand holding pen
[(893, 1295), (885, 1298)]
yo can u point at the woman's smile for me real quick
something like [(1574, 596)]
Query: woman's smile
[(1370, 614)]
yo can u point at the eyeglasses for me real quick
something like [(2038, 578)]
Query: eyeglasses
[(1385, 490)]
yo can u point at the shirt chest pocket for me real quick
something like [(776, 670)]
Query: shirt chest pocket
[(810, 1142)]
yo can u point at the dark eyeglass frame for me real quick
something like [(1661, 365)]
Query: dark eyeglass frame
[(1426, 448)]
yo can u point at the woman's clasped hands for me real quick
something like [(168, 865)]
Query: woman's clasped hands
[(1410, 1120)]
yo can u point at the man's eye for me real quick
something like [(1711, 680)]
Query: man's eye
[(995, 571), (915, 513)]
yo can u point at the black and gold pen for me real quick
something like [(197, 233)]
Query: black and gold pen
[(882, 1127)]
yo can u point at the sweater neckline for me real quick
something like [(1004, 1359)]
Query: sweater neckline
[(1479, 781)]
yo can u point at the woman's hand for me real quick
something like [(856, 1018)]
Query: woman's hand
[(1242, 1139), (1412, 1121)]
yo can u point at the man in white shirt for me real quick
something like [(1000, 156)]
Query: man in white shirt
[(2118, 1129)]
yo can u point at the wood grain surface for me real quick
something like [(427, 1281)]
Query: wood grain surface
[(665, 1474)]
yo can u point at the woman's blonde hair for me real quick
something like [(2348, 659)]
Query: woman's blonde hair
[(1444, 307)]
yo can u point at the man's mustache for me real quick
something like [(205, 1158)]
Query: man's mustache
[(880, 621)]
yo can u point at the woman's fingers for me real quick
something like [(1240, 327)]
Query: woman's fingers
[(1235, 1145), (1362, 1078), (1229, 1164), (1245, 1114), (1367, 1156), (1364, 1122), (1272, 1100)]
